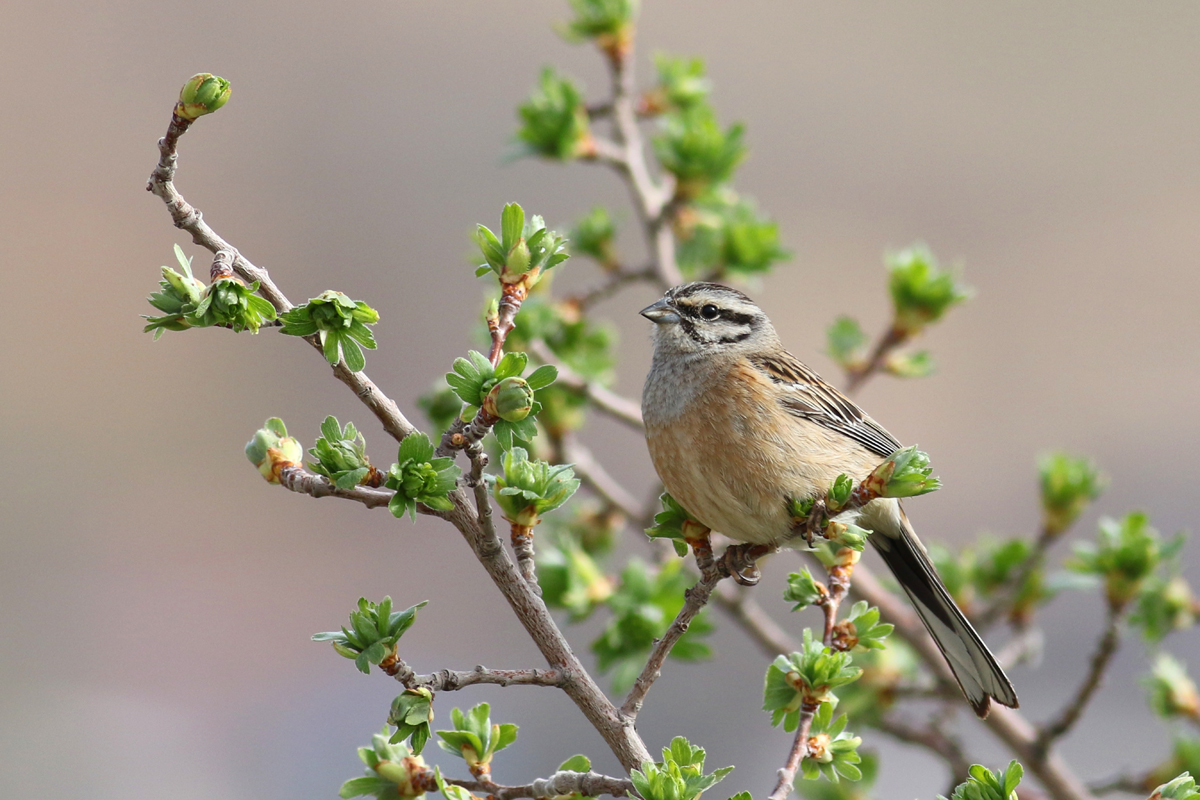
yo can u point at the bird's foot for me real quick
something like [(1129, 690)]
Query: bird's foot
[(739, 561)]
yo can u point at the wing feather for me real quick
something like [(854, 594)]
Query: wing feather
[(809, 397)]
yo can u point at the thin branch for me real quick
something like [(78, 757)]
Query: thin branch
[(858, 375), (1007, 594), (611, 403), (694, 600), (297, 479), (560, 784), (447, 680), (787, 773), (522, 545), (592, 473), (612, 283), (1106, 648), (187, 218), (651, 198), (755, 621), (1007, 724), (931, 738)]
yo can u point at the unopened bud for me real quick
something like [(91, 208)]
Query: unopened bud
[(203, 94), (511, 399)]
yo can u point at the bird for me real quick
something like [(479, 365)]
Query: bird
[(736, 426)]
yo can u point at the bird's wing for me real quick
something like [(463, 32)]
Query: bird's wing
[(809, 397)]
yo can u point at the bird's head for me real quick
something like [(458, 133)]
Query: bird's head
[(705, 317)]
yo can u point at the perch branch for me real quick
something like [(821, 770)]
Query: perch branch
[(694, 600)]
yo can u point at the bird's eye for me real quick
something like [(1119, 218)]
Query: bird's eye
[(710, 312)]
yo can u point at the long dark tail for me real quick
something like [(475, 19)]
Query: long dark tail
[(973, 665)]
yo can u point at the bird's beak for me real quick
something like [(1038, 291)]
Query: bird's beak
[(660, 312)]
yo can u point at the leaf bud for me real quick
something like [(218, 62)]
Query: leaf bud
[(511, 399), (203, 94)]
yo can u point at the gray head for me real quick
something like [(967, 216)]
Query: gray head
[(707, 317)]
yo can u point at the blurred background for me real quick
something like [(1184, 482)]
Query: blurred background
[(157, 596)]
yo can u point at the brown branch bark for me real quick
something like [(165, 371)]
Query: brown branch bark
[(297, 479), (787, 773), (619, 408), (560, 784), (652, 199), (890, 340), (694, 600), (447, 680), (1058, 726)]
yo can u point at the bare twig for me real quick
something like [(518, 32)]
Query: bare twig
[(187, 218), (298, 479), (611, 403), (447, 680), (858, 375), (932, 738), (1106, 648), (560, 784), (592, 473), (787, 773), (612, 283), (651, 198), (694, 600), (522, 545)]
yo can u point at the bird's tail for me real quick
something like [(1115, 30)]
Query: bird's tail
[(973, 665)]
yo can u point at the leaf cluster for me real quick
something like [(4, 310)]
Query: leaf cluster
[(860, 629), (601, 19), (682, 84), (341, 324), (528, 489), (524, 249), (679, 776), (418, 477), (807, 677), (373, 632), (480, 385), (411, 713), (570, 578), (1068, 485), (1125, 554), (694, 148), (922, 292), (554, 121), (832, 751), (722, 235), (391, 769), (1172, 693), (983, 784), (675, 523), (1181, 788), (594, 234), (905, 473), (475, 739), (341, 454), (187, 303), (643, 607)]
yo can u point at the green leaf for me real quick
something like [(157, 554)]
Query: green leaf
[(512, 224), (543, 376), (353, 354)]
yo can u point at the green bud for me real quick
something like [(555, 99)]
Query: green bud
[(203, 94), (1068, 485), (518, 259), (510, 399), (271, 449)]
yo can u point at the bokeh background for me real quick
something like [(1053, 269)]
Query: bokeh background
[(156, 597)]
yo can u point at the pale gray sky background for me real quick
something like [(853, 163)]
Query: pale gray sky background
[(158, 597)]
